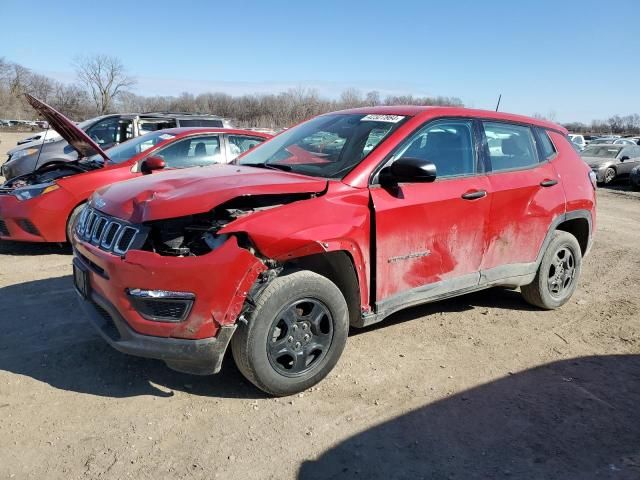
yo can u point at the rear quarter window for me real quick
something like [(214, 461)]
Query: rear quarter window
[(546, 150)]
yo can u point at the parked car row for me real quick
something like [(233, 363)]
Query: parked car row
[(22, 123), (337, 222), (611, 161), (106, 131), (581, 141)]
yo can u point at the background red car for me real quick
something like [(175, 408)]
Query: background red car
[(41, 206)]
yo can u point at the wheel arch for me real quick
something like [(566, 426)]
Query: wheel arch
[(339, 267), (579, 223)]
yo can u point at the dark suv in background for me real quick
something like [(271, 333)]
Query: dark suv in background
[(106, 131)]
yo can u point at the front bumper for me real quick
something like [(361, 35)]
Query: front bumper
[(219, 282), (599, 173), (198, 357), (40, 219)]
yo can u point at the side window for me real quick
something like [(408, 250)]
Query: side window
[(510, 146), (545, 148), (105, 132), (239, 144), (192, 152), (111, 131), (446, 143)]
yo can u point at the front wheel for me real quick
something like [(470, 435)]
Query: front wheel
[(557, 275), (295, 335)]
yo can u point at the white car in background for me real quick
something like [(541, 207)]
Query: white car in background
[(578, 140), (40, 137)]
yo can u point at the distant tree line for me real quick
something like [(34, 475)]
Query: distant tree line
[(103, 86), (627, 124)]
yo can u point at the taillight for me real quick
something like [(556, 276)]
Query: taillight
[(594, 179)]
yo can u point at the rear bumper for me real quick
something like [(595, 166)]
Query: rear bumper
[(198, 357)]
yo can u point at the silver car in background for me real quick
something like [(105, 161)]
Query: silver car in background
[(610, 161)]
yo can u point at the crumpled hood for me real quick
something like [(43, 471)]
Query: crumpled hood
[(189, 191)]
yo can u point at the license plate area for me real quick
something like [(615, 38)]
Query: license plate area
[(81, 279)]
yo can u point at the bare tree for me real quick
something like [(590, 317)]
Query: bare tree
[(105, 78)]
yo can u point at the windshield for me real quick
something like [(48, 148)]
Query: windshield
[(328, 146), (603, 152), (131, 148)]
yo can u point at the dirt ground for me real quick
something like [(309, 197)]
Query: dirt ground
[(482, 386)]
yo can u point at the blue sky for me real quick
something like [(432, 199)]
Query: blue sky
[(574, 60)]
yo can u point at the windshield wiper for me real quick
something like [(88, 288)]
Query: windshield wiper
[(273, 166)]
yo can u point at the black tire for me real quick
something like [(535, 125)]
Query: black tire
[(609, 176), (270, 327), (71, 222), (557, 275)]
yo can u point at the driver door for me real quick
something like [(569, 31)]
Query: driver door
[(429, 237)]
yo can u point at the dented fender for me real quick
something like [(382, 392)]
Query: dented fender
[(337, 222)]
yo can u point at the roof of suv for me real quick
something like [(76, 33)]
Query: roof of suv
[(415, 110)]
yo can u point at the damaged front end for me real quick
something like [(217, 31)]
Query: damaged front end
[(196, 235)]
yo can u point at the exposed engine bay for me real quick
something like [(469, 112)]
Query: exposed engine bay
[(52, 171), (197, 234)]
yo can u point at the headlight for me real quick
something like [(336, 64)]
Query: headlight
[(26, 193), (23, 153)]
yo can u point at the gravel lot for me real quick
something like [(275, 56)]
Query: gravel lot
[(482, 386)]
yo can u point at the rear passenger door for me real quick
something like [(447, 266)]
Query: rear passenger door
[(526, 196)]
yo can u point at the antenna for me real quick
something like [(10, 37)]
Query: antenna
[(498, 105)]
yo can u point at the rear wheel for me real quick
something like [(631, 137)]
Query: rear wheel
[(557, 274), (609, 176), (295, 335)]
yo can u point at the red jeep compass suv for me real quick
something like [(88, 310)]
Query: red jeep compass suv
[(337, 222)]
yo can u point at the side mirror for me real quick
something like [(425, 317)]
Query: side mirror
[(152, 163), (624, 158), (408, 169)]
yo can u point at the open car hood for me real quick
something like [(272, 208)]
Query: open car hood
[(191, 191), (76, 137)]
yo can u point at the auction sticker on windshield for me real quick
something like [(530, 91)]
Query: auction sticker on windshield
[(382, 118)]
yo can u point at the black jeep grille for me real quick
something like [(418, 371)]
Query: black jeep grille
[(106, 232)]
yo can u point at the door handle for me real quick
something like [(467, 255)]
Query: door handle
[(474, 194), (548, 183)]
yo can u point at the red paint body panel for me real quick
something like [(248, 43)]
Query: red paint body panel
[(427, 233), (50, 212), (339, 221), (220, 281), (197, 190), (571, 171), (521, 212)]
